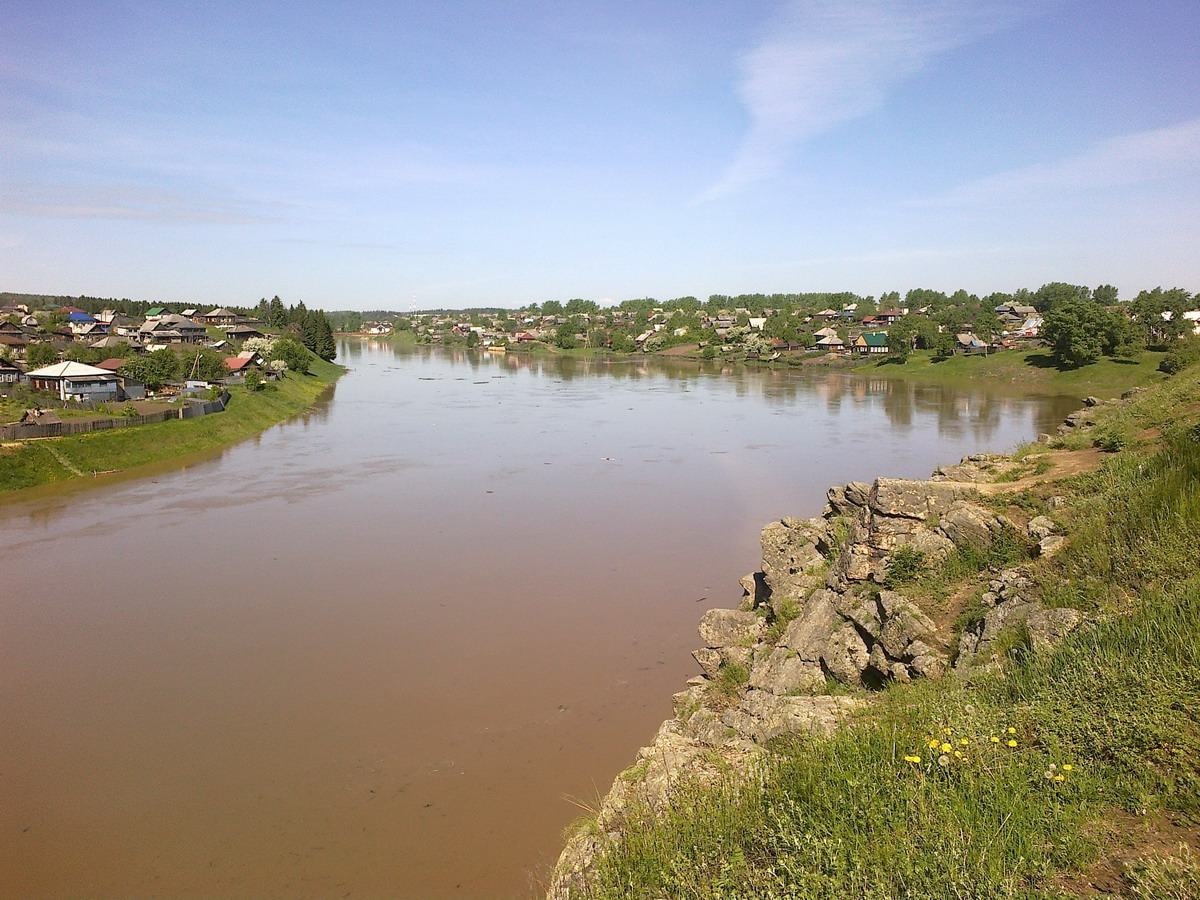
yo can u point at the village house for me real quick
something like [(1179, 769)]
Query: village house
[(242, 333), (10, 372), (218, 316), (171, 329), (76, 381), (871, 343)]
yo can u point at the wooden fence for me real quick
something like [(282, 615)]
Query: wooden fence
[(62, 429)]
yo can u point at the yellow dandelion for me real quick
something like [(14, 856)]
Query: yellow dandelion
[(934, 744), (1012, 743), (1067, 767), (1012, 731), (912, 759), (957, 755), (995, 740), (1058, 777), (947, 731), (964, 742), (946, 748)]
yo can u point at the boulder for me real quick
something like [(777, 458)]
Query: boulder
[(709, 659), (903, 623), (808, 633), (889, 534), (914, 499), (789, 555), (783, 672), (966, 523), (845, 654), (1050, 544), (847, 499), (1040, 527), (729, 627), (1047, 627)]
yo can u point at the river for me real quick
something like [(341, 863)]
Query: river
[(373, 651)]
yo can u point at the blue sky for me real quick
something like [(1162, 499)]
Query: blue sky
[(358, 155)]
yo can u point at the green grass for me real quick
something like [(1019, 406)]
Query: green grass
[(39, 462), (875, 811), (1032, 371)]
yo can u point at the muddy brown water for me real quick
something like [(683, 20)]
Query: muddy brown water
[(374, 651)]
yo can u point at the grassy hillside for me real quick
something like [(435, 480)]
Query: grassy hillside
[(32, 463), (1065, 771), (1033, 371)]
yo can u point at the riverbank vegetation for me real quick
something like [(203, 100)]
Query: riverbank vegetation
[(1072, 771), (252, 408), (1042, 335)]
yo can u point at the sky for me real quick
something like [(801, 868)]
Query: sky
[(410, 155)]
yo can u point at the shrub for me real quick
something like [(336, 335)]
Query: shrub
[(906, 565)]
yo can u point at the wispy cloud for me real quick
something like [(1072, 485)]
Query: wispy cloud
[(830, 61), (123, 202), (1128, 159)]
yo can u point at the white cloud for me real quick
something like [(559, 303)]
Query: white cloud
[(1128, 159), (830, 61)]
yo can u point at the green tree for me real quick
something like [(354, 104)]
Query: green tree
[(277, 314), (153, 370), (40, 354), (900, 339), (290, 351), (1080, 331)]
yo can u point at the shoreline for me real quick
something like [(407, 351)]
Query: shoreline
[(95, 458)]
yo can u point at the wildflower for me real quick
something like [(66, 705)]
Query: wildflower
[(957, 755), (1011, 742), (912, 759), (1012, 730), (995, 740), (964, 742), (1059, 777), (1067, 767), (934, 744), (946, 748), (943, 760), (947, 731)]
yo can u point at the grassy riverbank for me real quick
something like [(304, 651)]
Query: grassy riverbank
[(1033, 370), (1073, 769), (31, 463)]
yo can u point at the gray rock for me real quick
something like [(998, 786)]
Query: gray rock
[(845, 654), (914, 499), (761, 716), (737, 656), (1047, 627), (967, 524), (1050, 545), (863, 612), (789, 552), (709, 659), (729, 627), (808, 633), (903, 623), (783, 672), (890, 533), (1040, 527), (847, 499)]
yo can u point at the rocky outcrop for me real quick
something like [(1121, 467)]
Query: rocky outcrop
[(824, 614), (1013, 616)]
